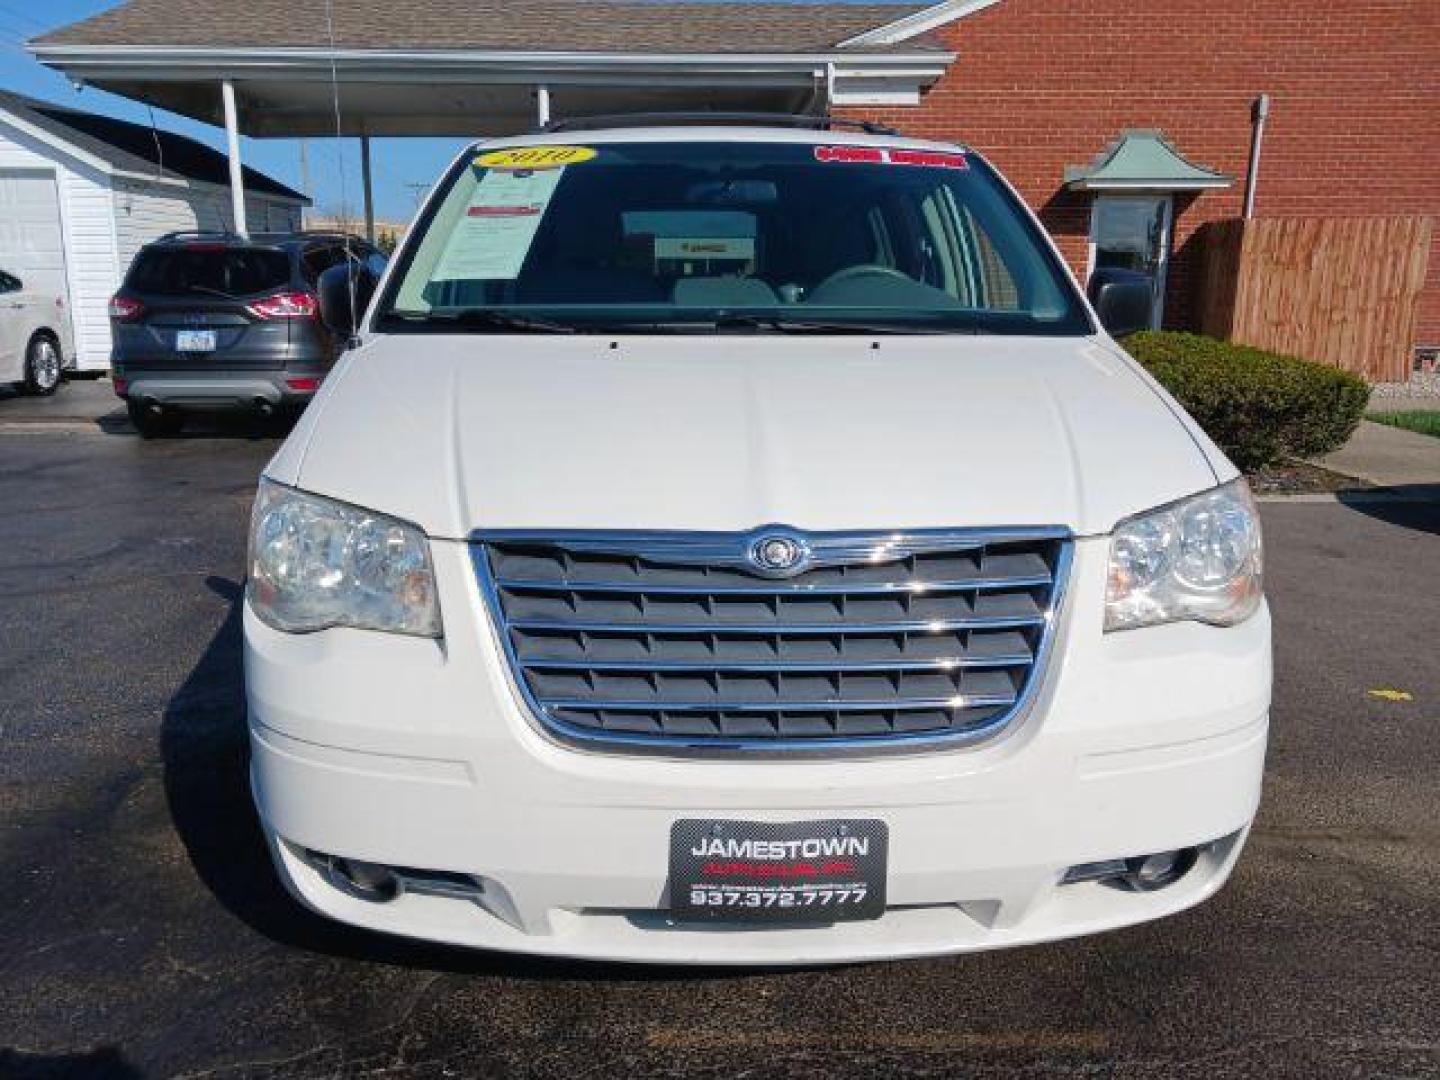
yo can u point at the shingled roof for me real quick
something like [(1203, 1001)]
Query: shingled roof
[(135, 148), (531, 26)]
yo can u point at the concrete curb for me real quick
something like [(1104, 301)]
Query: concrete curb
[(1355, 496), (57, 427)]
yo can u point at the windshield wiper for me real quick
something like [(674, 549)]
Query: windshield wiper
[(488, 317), (211, 292), (786, 325)]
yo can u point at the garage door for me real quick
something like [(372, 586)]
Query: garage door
[(30, 241)]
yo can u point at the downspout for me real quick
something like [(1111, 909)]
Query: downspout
[(817, 103), (1258, 116)]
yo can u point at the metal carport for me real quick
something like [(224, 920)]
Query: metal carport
[(432, 67)]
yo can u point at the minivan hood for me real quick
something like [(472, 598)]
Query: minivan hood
[(465, 432)]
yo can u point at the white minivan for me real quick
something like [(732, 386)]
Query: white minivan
[(737, 544)]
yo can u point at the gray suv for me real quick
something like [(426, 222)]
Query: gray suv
[(216, 321)]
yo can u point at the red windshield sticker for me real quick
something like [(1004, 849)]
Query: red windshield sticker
[(880, 155), (504, 211)]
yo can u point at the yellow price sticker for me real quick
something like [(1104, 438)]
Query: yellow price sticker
[(535, 157), (1389, 694)]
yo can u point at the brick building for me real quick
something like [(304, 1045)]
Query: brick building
[(1353, 130), (1126, 123)]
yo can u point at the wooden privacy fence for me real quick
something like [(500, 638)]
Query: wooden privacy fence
[(1342, 291)]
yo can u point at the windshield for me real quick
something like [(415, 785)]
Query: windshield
[(675, 236)]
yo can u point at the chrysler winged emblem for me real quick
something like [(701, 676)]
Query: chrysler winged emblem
[(779, 554)]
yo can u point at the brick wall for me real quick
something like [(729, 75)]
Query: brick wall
[(1354, 125)]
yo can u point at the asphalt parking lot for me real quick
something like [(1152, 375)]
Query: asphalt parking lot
[(142, 933)]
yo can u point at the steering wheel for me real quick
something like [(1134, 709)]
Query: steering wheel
[(860, 270)]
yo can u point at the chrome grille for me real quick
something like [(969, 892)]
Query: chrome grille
[(681, 638)]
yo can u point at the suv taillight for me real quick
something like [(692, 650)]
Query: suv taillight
[(125, 309), (285, 305)]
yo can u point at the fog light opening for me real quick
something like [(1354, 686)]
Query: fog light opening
[(382, 884), (1141, 873), (365, 880), (1150, 873), (1157, 871)]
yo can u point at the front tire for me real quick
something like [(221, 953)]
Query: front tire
[(153, 425), (42, 366)]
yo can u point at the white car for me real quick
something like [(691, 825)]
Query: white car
[(34, 336), (745, 545)]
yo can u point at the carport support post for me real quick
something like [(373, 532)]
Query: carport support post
[(232, 141), (369, 188)]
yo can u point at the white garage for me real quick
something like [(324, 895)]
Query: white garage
[(30, 234), (81, 193)]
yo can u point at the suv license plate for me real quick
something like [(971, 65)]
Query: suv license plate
[(195, 340), (799, 871)]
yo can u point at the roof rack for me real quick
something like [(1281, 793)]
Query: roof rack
[(198, 234), (323, 232), (648, 119), (310, 234)]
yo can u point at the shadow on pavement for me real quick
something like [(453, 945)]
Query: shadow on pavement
[(204, 746), (1412, 506), (213, 426)]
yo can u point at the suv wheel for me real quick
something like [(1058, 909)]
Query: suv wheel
[(42, 366), (151, 424)]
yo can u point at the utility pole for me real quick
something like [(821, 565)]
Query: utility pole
[(305, 181)]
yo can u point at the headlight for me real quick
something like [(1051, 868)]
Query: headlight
[(1196, 559), (316, 563)]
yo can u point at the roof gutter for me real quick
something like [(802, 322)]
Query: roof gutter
[(855, 77), (1159, 184), (155, 60), (918, 22)]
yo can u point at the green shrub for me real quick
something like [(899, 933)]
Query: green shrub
[(1259, 406), (1424, 421)]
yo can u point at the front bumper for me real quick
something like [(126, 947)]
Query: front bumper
[(418, 754)]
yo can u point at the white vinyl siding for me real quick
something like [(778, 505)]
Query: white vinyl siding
[(85, 211), (144, 211)]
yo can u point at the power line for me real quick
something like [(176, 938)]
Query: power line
[(22, 34), (21, 17), (17, 44)]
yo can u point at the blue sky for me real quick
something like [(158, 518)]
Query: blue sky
[(397, 162)]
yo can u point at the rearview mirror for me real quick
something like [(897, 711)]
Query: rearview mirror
[(733, 193), (1124, 300), (334, 292)]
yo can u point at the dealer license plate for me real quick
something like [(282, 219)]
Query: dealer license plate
[(798, 871), (195, 340)]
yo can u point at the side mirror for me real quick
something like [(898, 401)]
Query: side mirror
[(1124, 299), (334, 291)]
